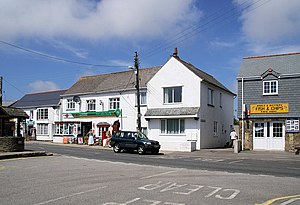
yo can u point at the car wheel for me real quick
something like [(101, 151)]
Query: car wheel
[(155, 151), (141, 149), (116, 148)]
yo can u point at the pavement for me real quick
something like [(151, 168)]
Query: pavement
[(212, 153)]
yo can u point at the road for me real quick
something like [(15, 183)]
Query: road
[(288, 166), (67, 179)]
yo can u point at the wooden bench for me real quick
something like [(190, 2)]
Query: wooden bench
[(297, 148)]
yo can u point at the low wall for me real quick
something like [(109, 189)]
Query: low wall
[(11, 144)]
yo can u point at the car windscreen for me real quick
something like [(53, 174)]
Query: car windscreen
[(142, 135)]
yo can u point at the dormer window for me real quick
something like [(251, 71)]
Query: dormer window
[(270, 87)]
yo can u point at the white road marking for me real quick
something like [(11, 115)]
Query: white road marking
[(156, 175), (68, 196), (235, 161)]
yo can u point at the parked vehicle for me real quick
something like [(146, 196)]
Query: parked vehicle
[(131, 141)]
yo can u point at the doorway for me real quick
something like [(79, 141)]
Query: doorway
[(269, 135)]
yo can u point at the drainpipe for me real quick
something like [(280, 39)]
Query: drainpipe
[(243, 111)]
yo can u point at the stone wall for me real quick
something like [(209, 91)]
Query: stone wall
[(11, 144), (292, 140)]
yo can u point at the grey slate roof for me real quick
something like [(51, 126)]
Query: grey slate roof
[(182, 111), (111, 82), (280, 63), (12, 112), (205, 76), (42, 99)]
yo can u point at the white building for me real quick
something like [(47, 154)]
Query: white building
[(95, 102), (43, 109), (188, 109)]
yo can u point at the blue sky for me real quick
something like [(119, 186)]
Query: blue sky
[(212, 35)]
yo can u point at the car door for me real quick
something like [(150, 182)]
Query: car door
[(130, 141)]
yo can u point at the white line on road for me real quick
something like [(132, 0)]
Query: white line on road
[(235, 161), (68, 196), (293, 168), (156, 175)]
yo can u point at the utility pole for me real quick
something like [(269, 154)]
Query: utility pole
[(1, 78), (136, 66)]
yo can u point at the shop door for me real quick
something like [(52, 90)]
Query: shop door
[(268, 135)]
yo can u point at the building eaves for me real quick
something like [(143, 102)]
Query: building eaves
[(207, 78)]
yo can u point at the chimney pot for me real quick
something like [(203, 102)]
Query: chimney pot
[(175, 54)]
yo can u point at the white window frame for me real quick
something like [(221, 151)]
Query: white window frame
[(114, 103), (169, 95), (143, 98), (210, 96), (42, 114), (42, 129), (70, 104), (269, 87), (91, 105), (165, 129)]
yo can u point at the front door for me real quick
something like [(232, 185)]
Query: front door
[(269, 135)]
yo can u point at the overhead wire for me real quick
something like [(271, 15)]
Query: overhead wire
[(202, 27), (59, 58)]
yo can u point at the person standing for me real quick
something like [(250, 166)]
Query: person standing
[(233, 136), (90, 138)]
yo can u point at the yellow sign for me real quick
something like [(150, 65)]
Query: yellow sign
[(269, 108)]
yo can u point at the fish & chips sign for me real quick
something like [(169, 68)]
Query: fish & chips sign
[(269, 108)]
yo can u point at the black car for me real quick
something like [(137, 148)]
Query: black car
[(131, 141)]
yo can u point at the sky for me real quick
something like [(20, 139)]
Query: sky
[(49, 44)]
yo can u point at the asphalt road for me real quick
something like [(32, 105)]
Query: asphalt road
[(64, 180), (287, 166)]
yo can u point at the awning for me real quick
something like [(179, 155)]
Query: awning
[(103, 124), (182, 112)]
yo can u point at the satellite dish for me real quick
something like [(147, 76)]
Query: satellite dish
[(76, 99)]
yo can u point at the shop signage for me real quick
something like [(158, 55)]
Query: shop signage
[(109, 113), (292, 124), (269, 108)]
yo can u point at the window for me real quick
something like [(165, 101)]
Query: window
[(221, 100), (215, 128), (114, 103), (64, 129), (259, 130), (270, 87), (91, 105), (42, 129), (277, 129), (173, 95), (210, 97), (70, 104), (172, 126), (143, 98), (42, 114)]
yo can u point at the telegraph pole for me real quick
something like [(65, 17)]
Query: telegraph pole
[(1, 78), (136, 66)]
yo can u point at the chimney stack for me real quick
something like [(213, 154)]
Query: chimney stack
[(175, 54)]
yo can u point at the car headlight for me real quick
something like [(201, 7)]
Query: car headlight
[(148, 143)]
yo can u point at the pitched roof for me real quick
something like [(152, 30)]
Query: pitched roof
[(111, 82), (11, 112), (42, 99), (255, 66), (205, 76)]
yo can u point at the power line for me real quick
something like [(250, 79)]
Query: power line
[(22, 92), (198, 29), (59, 58)]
